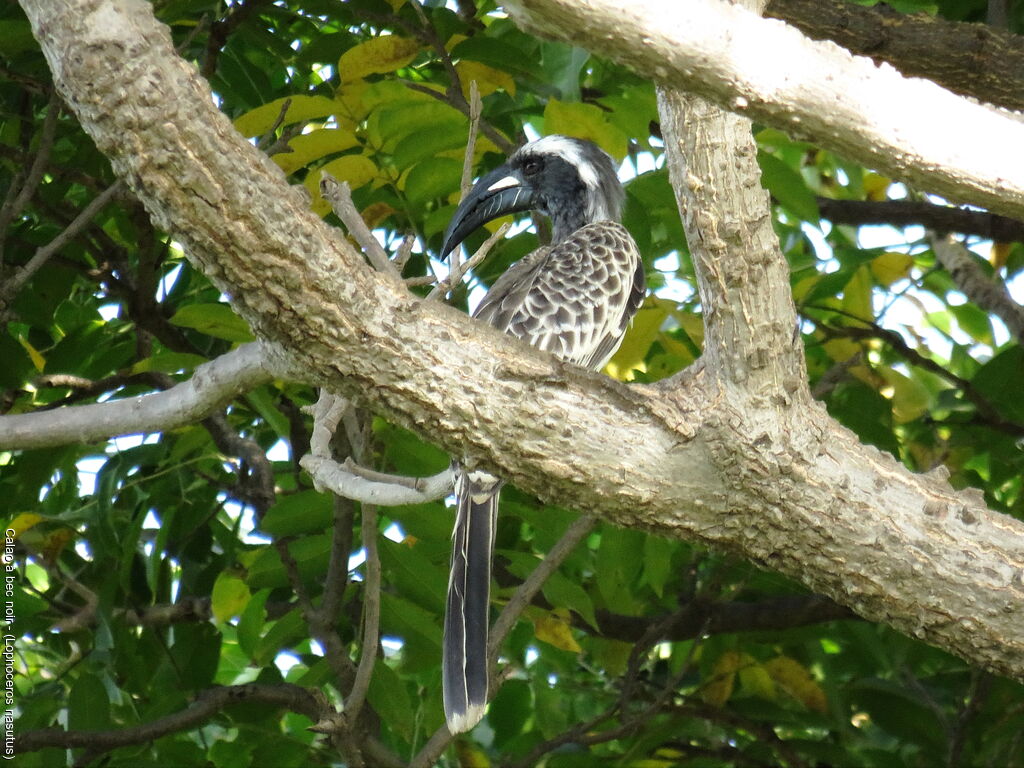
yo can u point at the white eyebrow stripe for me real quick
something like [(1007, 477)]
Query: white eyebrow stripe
[(570, 152), (504, 183)]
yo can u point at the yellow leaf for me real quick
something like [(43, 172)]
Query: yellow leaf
[(891, 266), (454, 40), (794, 678), (470, 755), (692, 323), (229, 597), (355, 169), (350, 106), (676, 348), (396, 4), (54, 543), (37, 359), (488, 79), (639, 337), (585, 121), (755, 680), (841, 350), (910, 399), (375, 213), (718, 689), (876, 186), (314, 145), (554, 630), (803, 286), (258, 121), (999, 254), (23, 522), (857, 295), (376, 56)]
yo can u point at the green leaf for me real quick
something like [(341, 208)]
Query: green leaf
[(311, 555), (251, 622), (88, 704), (402, 618), (658, 553), (1000, 379), (263, 400), (618, 566), (788, 187), (974, 322), (408, 568), (282, 634), (229, 597), (378, 55), (910, 398), (217, 320), (299, 513), (434, 178), (565, 593), (585, 121), (389, 696)]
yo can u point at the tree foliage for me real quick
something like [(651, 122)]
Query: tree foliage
[(154, 571)]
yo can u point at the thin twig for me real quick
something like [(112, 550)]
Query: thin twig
[(404, 252), (13, 207), (21, 275), (267, 137), (475, 110), (371, 616), (574, 534), (456, 275), (386, 490), (327, 413), (339, 195), (874, 331), (336, 580), (488, 130)]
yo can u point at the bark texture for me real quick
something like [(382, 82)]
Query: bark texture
[(733, 452), (970, 59), (910, 129)]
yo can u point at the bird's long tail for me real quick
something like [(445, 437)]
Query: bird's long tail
[(466, 619)]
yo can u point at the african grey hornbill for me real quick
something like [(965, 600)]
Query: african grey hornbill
[(573, 298)]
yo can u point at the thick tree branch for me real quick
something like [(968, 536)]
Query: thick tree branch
[(905, 213), (986, 292), (910, 129), (713, 618), (782, 485), (969, 59), (212, 385)]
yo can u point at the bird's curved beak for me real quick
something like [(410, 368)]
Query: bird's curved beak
[(499, 193)]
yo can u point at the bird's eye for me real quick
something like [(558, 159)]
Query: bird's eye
[(531, 167)]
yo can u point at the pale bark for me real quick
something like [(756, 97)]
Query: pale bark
[(910, 129), (733, 453), (212, 386), (987, 292)]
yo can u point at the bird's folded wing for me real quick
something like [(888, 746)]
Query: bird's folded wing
[(574, 299)]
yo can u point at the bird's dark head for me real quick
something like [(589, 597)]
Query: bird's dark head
[(571, 181)]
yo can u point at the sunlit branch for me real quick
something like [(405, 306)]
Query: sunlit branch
[(211, 386)]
